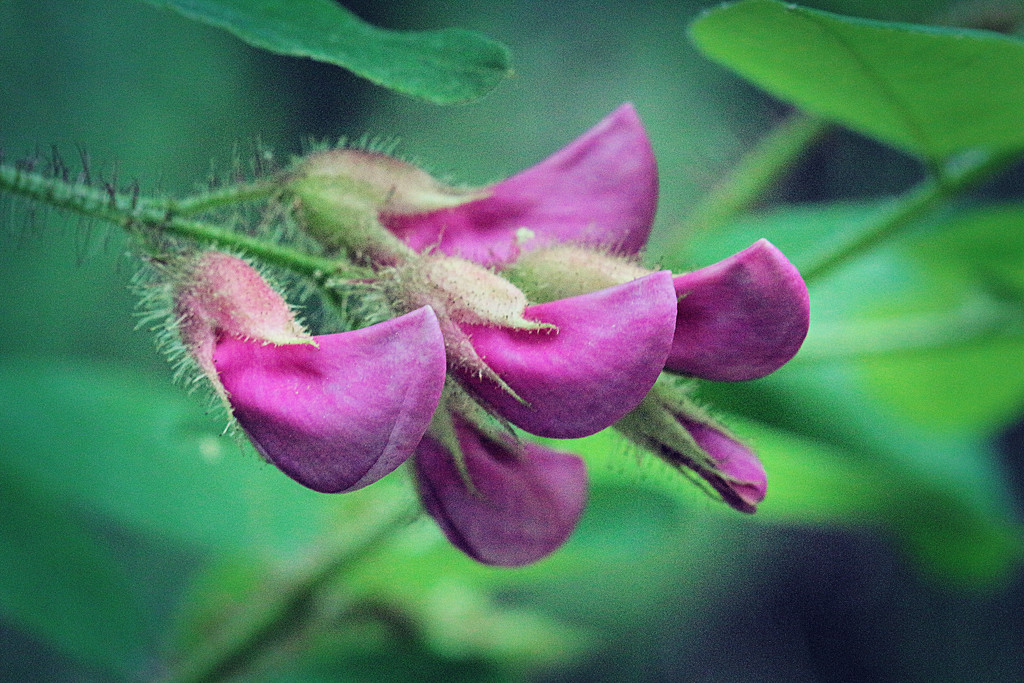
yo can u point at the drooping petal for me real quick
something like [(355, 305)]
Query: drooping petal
[(609, 348), (741, 318), (525, 504), (341, 416), (601, 190), (745, 483)]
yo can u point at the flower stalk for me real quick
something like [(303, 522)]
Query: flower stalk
[(254, 630), (146, 217)]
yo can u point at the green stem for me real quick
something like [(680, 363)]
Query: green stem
[(755, 174), (259, 623), (225, 196), (918, 202), (133, 214)]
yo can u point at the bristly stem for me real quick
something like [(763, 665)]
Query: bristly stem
[(136, 214), (915, 204)]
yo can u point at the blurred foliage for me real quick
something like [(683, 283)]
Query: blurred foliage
[(132, 529)]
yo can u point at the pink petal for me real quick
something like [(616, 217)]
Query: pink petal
[(741, 318), (609, 349), (601, 190), (525, 504), (747, 482), (341, 416)]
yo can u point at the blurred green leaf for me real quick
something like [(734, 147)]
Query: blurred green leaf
[(440, 611), (140, 450), (985, 243), (811, 482), (60, 584), (443, 66), (929, 91), (952, 356)]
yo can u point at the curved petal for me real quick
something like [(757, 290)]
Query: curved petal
[(741, 318), (601, 190), (609, 348), (745, 482), (341, 416), (525, 504)]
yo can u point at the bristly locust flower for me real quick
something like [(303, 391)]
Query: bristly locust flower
[(334, 412), (528, 300), (563, 369)]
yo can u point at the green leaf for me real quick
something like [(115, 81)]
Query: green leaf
[(443, 66), (929, 91), (60, 584), (139, 450)]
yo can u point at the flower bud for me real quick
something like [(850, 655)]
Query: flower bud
[(560, 271), (671, 426), (463, 293), (342, 193), (217, 295)]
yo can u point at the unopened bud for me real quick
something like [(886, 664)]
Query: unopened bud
[(469, 293), (560, 271), (342, 193), (670, 425), (217, 295)]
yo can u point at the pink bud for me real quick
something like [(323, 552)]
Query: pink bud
[(218, 295), (738, 475)]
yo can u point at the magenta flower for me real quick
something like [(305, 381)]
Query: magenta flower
[(600, 191), (334, 412), (605, 355), (517, 503), (529, 295), (341, 416)]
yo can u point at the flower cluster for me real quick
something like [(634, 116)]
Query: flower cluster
[(522, 303)]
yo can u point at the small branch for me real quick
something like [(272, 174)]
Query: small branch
[(225, 196), (917, 203)]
